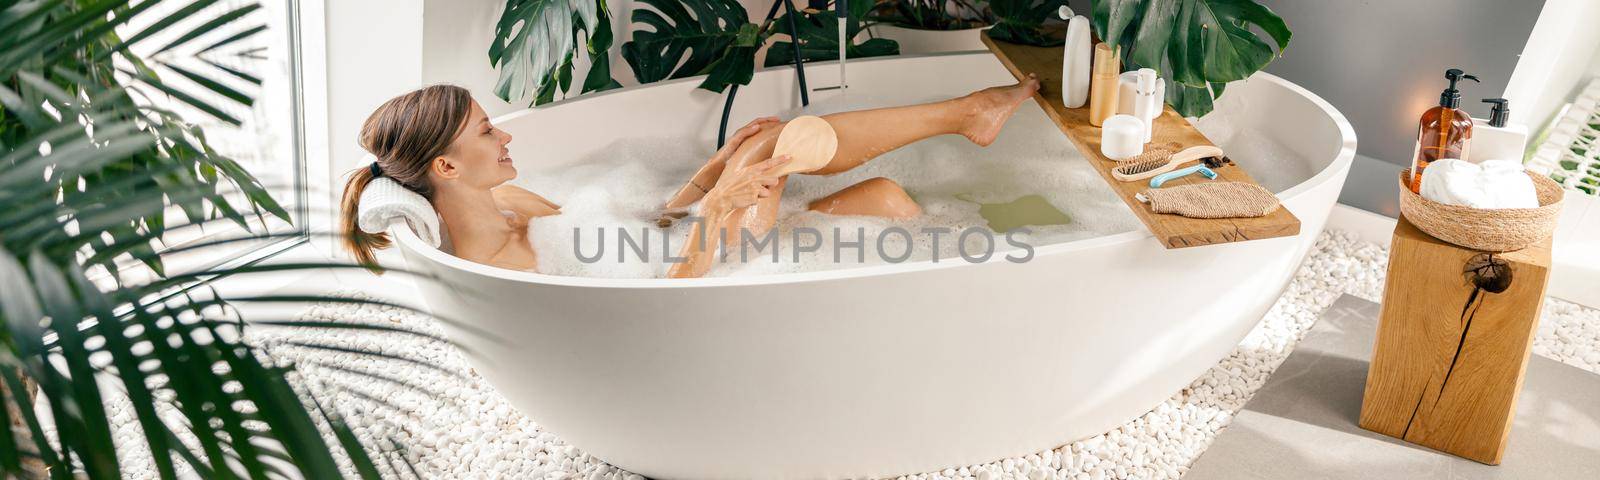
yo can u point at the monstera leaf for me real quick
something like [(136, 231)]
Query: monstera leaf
[(536, 40), (1019, 21), (1196, 45), (717, 40), (932, 14), (819, 37)]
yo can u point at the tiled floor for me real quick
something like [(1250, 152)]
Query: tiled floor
[(1302, 423)]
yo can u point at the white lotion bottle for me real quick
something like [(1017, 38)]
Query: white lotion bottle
[(1144, 102), (1127, 92), (1075, 60)]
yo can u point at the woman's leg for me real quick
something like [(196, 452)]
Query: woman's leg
[(865, 134), (875, 197)]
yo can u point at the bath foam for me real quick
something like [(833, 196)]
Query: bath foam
[(625, 188)]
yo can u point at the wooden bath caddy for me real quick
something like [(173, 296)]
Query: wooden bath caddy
[(1174, 231)]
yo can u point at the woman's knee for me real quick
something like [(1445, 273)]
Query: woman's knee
[(877, 197), (756, 148)]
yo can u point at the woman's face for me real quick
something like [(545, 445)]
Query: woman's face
[(478, 157)]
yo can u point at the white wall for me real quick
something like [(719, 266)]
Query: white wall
[(1562, 53), (1382, 64), (456, 35), (1594, 64), (372, 54)]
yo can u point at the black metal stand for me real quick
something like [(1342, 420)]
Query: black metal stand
[(799, 68)]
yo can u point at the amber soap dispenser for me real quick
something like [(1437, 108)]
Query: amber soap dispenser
[(1444, 132)]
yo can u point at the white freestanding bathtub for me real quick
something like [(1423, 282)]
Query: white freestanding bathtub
[(879, 370)]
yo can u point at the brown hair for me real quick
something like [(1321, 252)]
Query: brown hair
[(405, 134)]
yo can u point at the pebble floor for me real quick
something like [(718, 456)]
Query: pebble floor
[(454, 425)]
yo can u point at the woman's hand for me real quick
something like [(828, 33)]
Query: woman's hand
[(709, 173), (748, 185), (739, 136), (738, 189)]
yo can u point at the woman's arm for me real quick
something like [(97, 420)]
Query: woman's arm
[(747, 185), (523, 202), (708, 173)]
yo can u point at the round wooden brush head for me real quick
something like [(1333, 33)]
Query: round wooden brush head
[(809, 142)]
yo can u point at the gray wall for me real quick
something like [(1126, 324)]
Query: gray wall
[(1382, 63)]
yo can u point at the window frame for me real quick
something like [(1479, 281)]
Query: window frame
[(132, 270)]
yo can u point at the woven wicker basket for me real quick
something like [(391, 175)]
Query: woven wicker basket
[(1497, 230)]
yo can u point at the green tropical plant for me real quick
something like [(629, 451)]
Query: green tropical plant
[(88, 165), (819, 37), (1022, 21), (713, 38), (536, 41), (716, 40), (933, 14), (1197, 46)]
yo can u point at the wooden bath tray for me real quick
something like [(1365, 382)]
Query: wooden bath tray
[(1174, 231)]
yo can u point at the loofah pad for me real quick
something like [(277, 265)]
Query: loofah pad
[(1213, 200)]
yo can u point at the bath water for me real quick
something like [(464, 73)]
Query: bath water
[(623, 187)]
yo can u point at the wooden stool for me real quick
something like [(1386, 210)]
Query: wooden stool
[(1453, 343)]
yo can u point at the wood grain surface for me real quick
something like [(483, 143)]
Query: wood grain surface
[(1451, 352), (1171, 130)]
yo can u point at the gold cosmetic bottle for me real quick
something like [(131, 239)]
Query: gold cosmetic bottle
[(1445, 131), (1103, 85)]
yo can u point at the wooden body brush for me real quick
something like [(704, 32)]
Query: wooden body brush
[(1146, 166), (810, 143)]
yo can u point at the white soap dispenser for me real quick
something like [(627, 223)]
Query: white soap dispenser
[(1495, 139), (1075, 59)]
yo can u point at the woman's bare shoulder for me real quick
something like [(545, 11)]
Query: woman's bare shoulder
[(513, 252), (524, 202)]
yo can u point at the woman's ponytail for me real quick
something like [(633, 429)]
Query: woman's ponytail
[(404, 134), (360, 243)]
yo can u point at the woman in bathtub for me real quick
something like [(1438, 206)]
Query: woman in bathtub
[(438, 142)]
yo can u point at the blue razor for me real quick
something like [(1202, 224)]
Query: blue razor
[(1163, 178)]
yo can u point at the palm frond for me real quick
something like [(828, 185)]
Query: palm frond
[(90, 162)]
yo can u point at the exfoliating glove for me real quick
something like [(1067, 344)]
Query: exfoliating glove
[(1212, 200)]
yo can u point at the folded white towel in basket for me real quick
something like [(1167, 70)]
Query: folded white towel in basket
[(1490, 185), (385, 200)]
